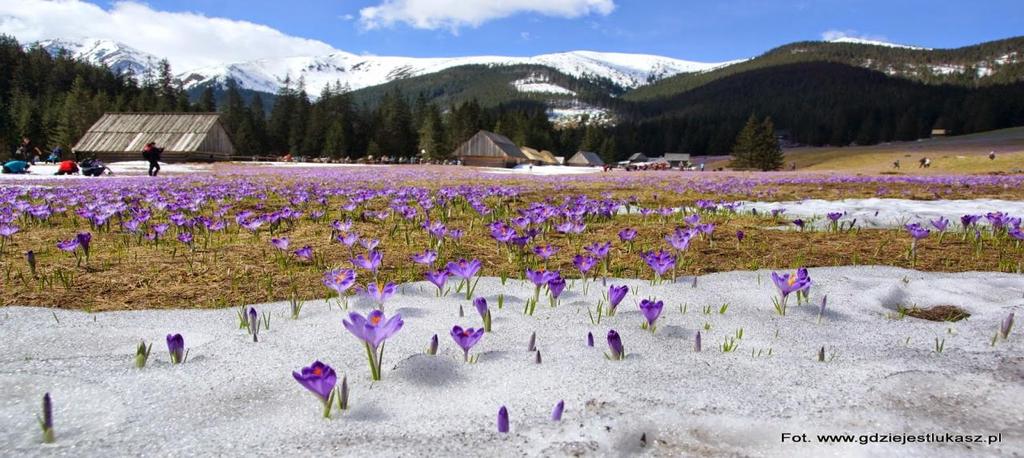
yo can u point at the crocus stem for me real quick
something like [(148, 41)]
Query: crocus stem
[(373, 366)]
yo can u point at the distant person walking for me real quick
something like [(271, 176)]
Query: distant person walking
[(992, 155), (26, 151), (152, 154), (927, 163), (896, 164), (921, 162)]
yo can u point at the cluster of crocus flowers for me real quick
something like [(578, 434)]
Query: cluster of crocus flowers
[(321, 380), (373, 330), (176, 348), (651, 310), (787, 284), (466, 338)]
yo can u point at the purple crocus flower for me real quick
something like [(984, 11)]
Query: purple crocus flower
[(464, 269), (556, 286), (598, 250), (281, 243), (8, 230), (940, 224), (540, 276), (627, 235), (545, 251), (438, 278), (425, 258), (651, 311), (348, 239), (369, 244), (740, 236), (834, 216), (305, 253), (584, 263), (68, 245), (466, 338), (660, 261), (320, 379), (969, 220), (340, 280), (799, 223), (503, 420), (371, 261), (615, 296), (186, 238), (176, 348), (481, 306), (556, 414), (789, 283), (615, 347), (590, 339), (916, 231), (373, 330), (380, 292), (84, 239)]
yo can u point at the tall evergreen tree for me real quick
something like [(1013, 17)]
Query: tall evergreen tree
[(207, 101)]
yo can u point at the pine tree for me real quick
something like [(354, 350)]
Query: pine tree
[(743, 150), (76, 115), (431, 134), (767, 154), (207, 101), (336, 139)]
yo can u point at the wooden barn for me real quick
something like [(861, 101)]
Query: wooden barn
[(185, 137), (543, 157), (488, 149), (585, 159)]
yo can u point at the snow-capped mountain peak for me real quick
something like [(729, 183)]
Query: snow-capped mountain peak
[(120, 58)]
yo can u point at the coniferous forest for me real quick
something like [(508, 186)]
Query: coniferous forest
[(53, 99)]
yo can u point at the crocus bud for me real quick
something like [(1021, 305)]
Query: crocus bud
[(821, 310), (537, 359), (176, 348), (30, 256), (532, 344), (590, 339), (615, 347), (432, 349), (696, 342), (1006, 326), (142, 354), (502, 420), (46, 423), (821, 355), (343, 394), (254, 324), (461, 313), (556, 415)]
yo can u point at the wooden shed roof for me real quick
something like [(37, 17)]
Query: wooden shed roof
[(175, 132), (585, 158)]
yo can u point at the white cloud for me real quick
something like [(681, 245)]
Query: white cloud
[(830, 35), (188, 40), (454, 14)]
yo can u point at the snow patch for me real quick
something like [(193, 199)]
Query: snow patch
[(889, 213)]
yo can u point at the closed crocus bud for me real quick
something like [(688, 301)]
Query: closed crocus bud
[(254, 324), (537, 359), (46, 423), (502, 420), (532, 344), (821, 354), (615, 347), (432, 348), (461, 313), (590, 339), (696, 342), (343, 394), (556, 415), (1006, 326)]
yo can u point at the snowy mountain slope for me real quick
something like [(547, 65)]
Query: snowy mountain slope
[(120, 58), (864, 41), (355, 71)]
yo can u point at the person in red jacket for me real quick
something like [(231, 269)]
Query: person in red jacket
[(67, 168)]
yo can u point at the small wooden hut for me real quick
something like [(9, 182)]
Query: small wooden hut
[(185, 137), (488, 149), (585, 159)]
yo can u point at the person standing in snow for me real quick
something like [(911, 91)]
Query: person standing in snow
[(152, 154)]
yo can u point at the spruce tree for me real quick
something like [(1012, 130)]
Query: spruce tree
[(743, 150), (207, 101), (767, 153)]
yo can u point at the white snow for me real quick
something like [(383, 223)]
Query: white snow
[(865, 41), (888, 213), (234, 397), (577, 113), (120, 58), (541, 85), (42, 171), (542, 170)]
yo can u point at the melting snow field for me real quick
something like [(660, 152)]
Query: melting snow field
[(886, 213), (42, 171), (237, 397), (542, 170)]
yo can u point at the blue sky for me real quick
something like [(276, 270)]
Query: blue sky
[(696, 30), (197, 33)]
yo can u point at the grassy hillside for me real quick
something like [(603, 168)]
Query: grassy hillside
[(1001, 61)]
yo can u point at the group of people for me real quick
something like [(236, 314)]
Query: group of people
[(26, 155)]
